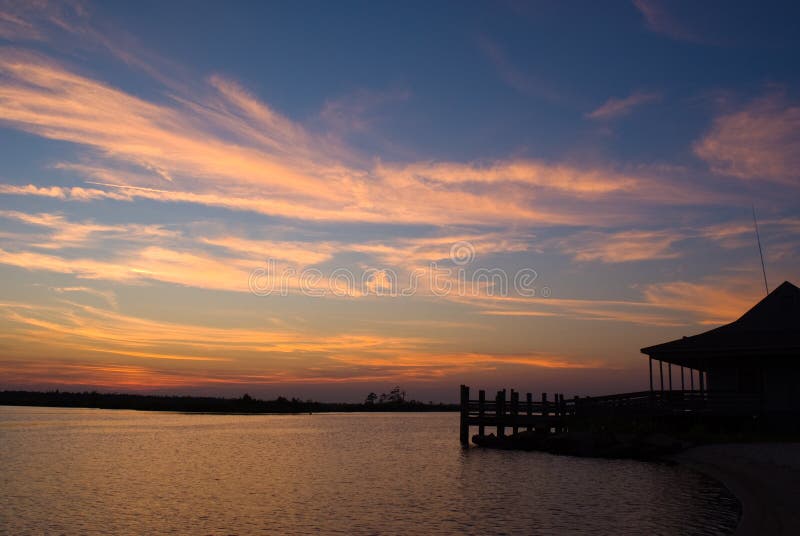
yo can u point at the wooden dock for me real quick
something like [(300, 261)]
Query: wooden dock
[(540, 415), (508, 414)]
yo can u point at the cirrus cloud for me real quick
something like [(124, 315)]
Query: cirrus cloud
[(760, 141)]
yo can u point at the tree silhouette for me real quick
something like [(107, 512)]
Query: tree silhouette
[(396, 395)]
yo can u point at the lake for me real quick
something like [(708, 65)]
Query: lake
[(85, 471)]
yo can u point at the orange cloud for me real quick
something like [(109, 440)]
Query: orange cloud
[(79, 344), (468, 361), (98, 330), (627, 311), (717, 301), (623, 246), (225, 148), (63, 233), (297, 253)]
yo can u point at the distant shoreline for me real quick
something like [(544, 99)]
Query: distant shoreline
[(207, 405)]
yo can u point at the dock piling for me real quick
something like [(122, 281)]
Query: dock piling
[(481, 411), (529, 410), (514, 411), (500, 411), (546, 427), (464, 428)]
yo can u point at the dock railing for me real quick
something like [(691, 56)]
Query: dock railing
[(556, 414)]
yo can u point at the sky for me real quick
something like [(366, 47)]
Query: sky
[(325, 199)]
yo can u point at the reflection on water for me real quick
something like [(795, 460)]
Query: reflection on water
[(80, 471)]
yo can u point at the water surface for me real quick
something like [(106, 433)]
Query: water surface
[(84, 471)]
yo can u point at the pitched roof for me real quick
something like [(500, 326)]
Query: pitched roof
[(771, 327)]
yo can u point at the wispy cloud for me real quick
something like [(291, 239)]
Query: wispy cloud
[(162, 353), (623, 246), (614, 107), (660, 19), (358, 111), (106, 295), (514, 77), (63, 233), (210, 142), (631, 311), (267, 163), (713, 301), (760, 141), (648, 245)]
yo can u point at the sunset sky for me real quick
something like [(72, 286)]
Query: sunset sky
[(164, 165)]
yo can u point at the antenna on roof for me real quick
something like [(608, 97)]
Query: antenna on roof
[(760, 252)]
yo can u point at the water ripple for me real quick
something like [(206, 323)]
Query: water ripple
[(75, 471)]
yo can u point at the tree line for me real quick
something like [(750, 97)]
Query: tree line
[(395, 400)]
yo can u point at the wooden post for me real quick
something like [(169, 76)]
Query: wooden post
[(514, 411), (682, 387), (529, 410), (555, 413), (702, 383), (661, 374), (511, 409), (544, 414), (500, 411), (650, 366), (691, 379), (464, 432), (481, 411), (669, 372)]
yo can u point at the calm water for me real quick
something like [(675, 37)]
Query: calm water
[(81, 471)]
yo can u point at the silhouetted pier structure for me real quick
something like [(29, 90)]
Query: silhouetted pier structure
[(740, 372), (511, 414), (508, 415)]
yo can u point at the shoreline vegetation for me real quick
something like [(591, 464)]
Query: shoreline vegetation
[(200, 404)]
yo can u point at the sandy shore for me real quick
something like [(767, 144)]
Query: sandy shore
[(765, 477)]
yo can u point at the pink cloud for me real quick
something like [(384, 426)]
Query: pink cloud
[(761, 141), (659, 19), (614, 107), (623, 246)]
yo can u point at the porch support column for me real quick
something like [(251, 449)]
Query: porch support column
[(669, 372)]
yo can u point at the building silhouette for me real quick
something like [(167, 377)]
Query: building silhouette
[(757, 354)]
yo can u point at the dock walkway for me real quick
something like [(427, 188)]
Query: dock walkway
[(544, 415)]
